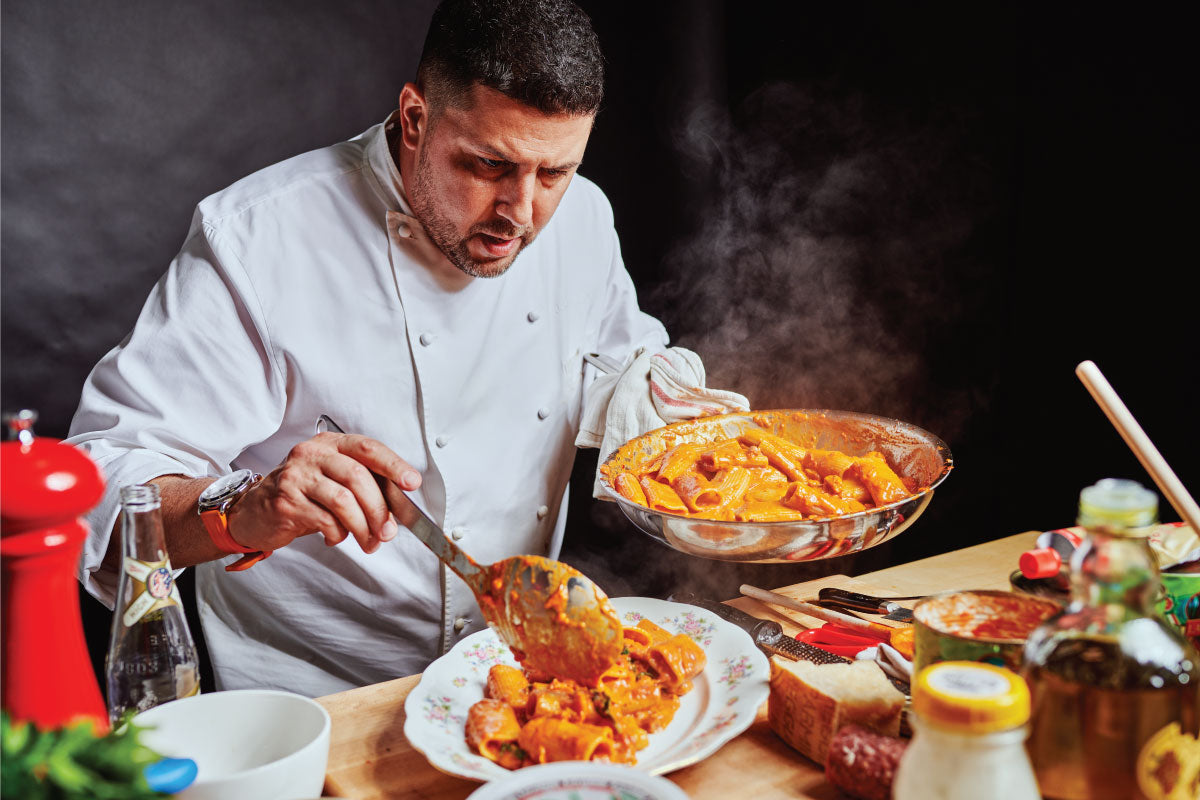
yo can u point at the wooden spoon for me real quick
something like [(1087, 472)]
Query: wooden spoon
[(553, 617)]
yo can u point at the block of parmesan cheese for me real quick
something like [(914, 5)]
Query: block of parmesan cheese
[(809, 702)]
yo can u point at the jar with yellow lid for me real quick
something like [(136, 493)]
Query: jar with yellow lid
[(969, 729)]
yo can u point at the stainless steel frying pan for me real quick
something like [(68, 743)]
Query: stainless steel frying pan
[(918, 456)]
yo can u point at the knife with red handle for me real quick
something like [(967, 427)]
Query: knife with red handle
[(767, 634), (839, 639)]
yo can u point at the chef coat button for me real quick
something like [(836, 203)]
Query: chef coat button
[(543, 412), (441, 441), (457, 534), (532, 316), (404, 231), (542, 511), (460, 623), (426, 339)]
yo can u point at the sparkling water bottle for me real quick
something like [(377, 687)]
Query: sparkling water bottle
[(151, 655)]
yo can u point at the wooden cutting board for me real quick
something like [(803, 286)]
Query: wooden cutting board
[(370, 759)]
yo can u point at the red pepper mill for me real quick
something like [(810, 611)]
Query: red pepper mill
[(44, 487)]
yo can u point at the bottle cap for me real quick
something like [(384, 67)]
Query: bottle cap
[(1045, 562), (968, 697), (1117, 503)]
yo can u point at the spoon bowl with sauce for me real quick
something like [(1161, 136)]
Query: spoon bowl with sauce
[(550, 614)]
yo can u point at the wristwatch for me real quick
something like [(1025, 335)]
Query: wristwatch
[(213, 507)]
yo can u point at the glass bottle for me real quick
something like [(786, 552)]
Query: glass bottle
[(969, 728), (1116, 690), (151, 655)]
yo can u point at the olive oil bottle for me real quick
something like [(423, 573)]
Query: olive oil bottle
[(1116, 690)]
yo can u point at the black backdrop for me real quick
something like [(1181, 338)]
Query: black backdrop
[(925, 211)]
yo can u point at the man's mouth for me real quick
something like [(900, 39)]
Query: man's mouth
[(496, 246)]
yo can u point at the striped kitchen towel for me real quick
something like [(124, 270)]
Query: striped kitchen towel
[(652, 390)]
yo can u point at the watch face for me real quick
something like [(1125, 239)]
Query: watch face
[(225, 486)]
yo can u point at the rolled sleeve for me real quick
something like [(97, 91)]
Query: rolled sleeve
[(193, 383)]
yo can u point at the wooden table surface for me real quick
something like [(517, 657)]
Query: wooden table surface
[(370, 759)]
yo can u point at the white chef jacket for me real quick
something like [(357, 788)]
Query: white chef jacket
[(304, 289)]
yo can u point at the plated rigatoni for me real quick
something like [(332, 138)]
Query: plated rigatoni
[(526, 718)]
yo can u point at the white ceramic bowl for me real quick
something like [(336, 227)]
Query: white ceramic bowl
[(248, 744), (579, 780)]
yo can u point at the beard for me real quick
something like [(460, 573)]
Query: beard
[(443, 233)]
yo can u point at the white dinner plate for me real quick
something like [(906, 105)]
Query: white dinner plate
[(723, 702)]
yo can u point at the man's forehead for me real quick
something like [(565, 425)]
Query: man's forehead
[(509, 129)]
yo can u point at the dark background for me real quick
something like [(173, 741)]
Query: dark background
[(926, 211)]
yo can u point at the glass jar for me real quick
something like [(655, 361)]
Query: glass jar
[(968, 736), (1116, 690)]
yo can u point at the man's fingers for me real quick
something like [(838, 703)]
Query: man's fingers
[(344, 505), (332, 532), (336, 484), (379, 458), (363, 483)]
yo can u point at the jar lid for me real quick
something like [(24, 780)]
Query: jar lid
[(1119, 503), (970, 697)]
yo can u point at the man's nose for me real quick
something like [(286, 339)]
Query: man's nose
[(515, 202)]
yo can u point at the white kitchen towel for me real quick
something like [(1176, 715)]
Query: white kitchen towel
[(654, 389)]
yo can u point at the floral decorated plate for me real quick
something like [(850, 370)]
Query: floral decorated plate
[(724, 700), (579, 780)]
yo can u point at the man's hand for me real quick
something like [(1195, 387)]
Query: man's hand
[(324, 485)]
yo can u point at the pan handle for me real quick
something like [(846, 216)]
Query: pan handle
[(602, 362)]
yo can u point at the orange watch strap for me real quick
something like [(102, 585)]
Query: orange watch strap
[(247, 561), (216, 522), (217, 525)]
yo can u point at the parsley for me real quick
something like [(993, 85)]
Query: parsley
[(73, 763), (601, 701), (514, 748)]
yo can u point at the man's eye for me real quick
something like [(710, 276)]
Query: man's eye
[(491, 163)]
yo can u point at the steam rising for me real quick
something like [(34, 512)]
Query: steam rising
[(826, 230), (840, 259)]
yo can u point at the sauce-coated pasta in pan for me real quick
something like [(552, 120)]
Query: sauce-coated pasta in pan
[(758, 477)]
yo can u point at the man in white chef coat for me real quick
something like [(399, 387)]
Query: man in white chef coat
[(431, 285)]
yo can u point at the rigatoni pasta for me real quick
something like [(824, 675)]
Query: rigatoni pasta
[(757, 477), (526, 718)]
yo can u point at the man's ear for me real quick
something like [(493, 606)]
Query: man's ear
[(414, 115)]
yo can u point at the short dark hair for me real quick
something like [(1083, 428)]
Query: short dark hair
[(543, 53)]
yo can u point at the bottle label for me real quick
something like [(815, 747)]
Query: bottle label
[(1168, 767), (153, 587)]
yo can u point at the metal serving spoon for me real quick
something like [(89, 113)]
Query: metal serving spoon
[(552, 617)]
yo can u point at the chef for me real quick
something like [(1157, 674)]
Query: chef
[(431, 285)]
